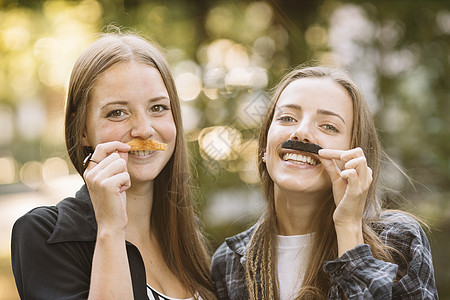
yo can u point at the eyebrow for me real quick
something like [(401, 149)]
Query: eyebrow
[(123, 102), (319, 111), (329, 113), (291, 106)]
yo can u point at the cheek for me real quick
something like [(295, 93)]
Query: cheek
[(275, 136), (102, 133), (347, 137), (167, 132), (339, 142), (171, 132), (169, 136), (346, 142)]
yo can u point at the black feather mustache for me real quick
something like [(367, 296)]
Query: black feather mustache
[(300, 146)]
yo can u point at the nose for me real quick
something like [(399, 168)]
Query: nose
[(142, 127), (302, 132)]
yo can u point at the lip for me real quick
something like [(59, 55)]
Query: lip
[(312, 155), (141, 155), (283, 152)]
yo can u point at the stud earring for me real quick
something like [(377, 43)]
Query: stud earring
[(264, 157)]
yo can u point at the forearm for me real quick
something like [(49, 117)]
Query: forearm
[(110, 276), (348, 236)]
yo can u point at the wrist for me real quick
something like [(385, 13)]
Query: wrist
[(349, 235), (348, 226), (108, 233)]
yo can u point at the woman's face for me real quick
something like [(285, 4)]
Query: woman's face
[(314, 110), (130, 101)]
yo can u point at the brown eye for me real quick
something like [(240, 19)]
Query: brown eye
[(115, 114), (159, 108)]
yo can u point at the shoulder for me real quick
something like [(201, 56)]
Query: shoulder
[(398, 228), (392, 220), (233, 246), (38, 220), (72, 219), (238, 243), (228, 266), (32, 231), (220, 258), (221, 251)]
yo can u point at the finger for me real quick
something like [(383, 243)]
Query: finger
[(348, 155), (111, 165), (350, 173), (116, 166), (331, 153), (355, 186), (331, 168), (341, 157), (369, 178), (113, 184), (352, 179), (360, 165), (120, 181), (101, 164), (105, 149)]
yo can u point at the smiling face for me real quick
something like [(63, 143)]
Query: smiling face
[(311, 110), (130, 101)]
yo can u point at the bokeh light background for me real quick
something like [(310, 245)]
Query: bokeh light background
[(225, 56)]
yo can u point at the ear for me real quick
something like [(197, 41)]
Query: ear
[(85, 140)]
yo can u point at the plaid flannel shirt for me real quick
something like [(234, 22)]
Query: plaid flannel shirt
[(356, 273)]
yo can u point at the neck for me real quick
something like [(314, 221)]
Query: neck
[(295, 210), (139, 209)]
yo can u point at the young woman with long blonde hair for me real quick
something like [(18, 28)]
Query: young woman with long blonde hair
[(130, 232), (324, 234)]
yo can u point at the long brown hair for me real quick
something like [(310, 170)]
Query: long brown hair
[(261, 257), (181, 242)]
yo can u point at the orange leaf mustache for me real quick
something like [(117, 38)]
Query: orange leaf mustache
[(138, 144)]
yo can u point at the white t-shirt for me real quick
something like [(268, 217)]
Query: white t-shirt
[(155, 295), (293, 254)]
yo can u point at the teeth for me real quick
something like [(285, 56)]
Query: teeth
[(300, 158), (141, 152)]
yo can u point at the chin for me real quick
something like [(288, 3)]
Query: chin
[(142, 178), (306, 184)]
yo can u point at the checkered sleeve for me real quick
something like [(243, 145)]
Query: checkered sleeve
[(359, 275)]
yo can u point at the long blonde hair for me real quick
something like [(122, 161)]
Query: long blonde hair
[(182, 244), (261, 257)]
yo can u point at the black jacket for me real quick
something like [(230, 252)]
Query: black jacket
[(52, 249)]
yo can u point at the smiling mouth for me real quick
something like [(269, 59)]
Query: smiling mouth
[(141, 152), (299, 159)]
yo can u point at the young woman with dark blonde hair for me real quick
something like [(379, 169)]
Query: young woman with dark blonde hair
[(324, 234), (130, 232)]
